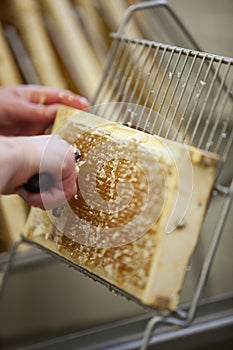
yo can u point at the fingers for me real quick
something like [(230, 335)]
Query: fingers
[(31, 112), (31, 109), (49, 199), (47, 95), (54, 156), (37, 113)]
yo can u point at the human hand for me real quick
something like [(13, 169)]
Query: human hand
[(27, 110), (23, 157)]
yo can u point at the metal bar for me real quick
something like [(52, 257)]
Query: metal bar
[(189, 99), (183, 28), (196, 103), (133, 94), (156, 74), (188, 53), (156, 320), (112, 59), (8, 265), (24, 258), (176, 49), (143, 66), (171, 121), (132, 70), (145, 5), (165, 73), (166, 92), (148, 331), (119, 75), (208, 119), (229, 143), (194, 331), (127, 334), (151, 91), (116, 69), (210, 255), (223, 132), (113, 51)]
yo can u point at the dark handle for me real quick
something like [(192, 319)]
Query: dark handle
[(39, 183)]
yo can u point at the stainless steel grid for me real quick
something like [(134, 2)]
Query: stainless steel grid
[(181, 94)]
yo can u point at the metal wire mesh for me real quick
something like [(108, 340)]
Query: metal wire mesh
[(177, 93)]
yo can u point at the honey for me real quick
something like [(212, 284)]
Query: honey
[(130, 186)]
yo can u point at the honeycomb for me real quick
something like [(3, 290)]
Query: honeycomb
[(128, 190)]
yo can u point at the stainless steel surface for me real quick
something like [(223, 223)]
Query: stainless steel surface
[(213, 316)]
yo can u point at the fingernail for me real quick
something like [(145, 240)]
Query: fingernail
[(84, 100)]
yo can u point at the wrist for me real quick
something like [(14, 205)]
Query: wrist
[(11, 163)]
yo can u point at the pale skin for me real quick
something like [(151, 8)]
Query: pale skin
[(26, 111)]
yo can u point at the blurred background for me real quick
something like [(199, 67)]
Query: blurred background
[(64, 43)]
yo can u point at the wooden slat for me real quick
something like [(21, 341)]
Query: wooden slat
[(95, 27), (80, 58), (9, 73), (28, 20), (13, 215)]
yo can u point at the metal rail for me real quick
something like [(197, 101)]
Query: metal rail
[(214, 317)]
